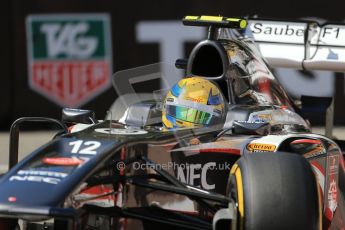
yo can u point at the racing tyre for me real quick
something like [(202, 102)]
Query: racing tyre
[(274, 191)]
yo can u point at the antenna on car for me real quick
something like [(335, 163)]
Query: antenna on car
[(110, 116), (214, 23)]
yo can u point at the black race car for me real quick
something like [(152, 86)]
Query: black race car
[(261, 168)]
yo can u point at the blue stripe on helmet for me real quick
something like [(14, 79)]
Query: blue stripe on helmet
[(176, 90), (171, 119), (213, 100)]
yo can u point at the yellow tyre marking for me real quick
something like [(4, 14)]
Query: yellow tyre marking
[(235, 170)]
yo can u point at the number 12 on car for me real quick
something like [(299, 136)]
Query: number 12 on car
[(85, 147)]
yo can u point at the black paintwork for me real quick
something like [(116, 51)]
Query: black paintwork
[(40, 194), (23, 193)]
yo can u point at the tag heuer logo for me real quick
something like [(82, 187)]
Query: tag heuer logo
[(69, 56)]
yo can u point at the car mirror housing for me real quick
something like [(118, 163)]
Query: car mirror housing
[(251, 128), (78, 116)]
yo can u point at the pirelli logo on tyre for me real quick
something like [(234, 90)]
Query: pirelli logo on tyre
[(260, 147), (69, 56)]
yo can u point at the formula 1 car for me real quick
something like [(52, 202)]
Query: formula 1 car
[(260, 168)]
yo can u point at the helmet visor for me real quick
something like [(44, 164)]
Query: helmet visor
[(189, 114)]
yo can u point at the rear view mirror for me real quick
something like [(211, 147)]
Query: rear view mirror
[(78, 116), (181, 63)]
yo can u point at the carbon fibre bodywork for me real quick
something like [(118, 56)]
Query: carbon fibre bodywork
[(59, 190), (111, 174)]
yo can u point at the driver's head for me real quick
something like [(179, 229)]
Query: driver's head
[(192, 102)]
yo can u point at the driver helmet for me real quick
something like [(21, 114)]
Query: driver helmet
[(193, 102)]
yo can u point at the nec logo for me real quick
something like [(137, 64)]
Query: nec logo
[(196, 174)]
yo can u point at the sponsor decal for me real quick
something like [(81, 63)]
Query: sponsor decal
[(332, 170), (39, 179), (69, 56), (261, 118), (294, 32), (333, 163), (63, 161), (196, 99), (277, 29), (48, 177), (332, 196), (260, 147), (196, 174), (42, 173)]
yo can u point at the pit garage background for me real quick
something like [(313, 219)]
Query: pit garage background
[(133, 33)]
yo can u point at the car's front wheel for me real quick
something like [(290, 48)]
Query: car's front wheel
[(274, 191)]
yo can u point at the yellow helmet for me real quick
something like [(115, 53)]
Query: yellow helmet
[(192, 102)]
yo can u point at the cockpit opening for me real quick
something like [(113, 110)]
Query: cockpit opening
[(207, 62)]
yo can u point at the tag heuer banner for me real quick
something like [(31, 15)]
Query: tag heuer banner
[(69, 56)]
